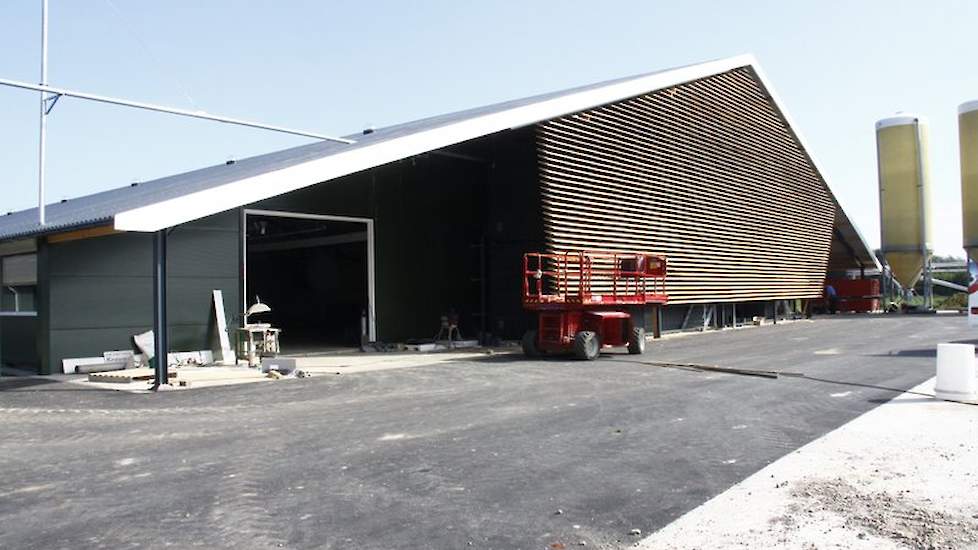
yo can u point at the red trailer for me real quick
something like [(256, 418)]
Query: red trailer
[(858, 295), (577, 297)]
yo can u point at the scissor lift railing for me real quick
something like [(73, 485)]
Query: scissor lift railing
[(592, 278)]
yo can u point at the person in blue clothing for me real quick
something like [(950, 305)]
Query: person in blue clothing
[(831, 299)]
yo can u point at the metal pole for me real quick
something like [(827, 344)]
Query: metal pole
[(163, 109), (928, 285), (658, 322), (160, 345), (483, 293), (43, 114)]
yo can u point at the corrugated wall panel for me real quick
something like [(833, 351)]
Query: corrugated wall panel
[(97, 293), (706, 173)]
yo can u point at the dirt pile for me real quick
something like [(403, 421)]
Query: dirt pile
[(897, 517)]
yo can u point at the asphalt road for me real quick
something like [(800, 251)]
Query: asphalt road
[(497, 453)]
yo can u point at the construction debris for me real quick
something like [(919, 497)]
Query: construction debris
[(441, 345), (145, 343), (185, 377), (284, 365), (70, 366), (227, 355), (104, 366), (278, 375), (109, 361), (190, 358), (125, 376), (127, 359)]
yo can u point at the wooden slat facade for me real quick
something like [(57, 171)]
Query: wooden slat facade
[(707, 173)]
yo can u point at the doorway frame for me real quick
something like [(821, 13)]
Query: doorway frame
[(371, 289)]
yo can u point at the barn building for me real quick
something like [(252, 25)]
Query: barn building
[(699, 163)]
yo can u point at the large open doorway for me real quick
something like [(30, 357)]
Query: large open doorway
[(316, 273)]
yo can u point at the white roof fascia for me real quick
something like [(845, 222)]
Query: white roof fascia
[(776, 100), (901, 119), (193, 206)]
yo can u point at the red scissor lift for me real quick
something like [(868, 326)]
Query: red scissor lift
[(575, 295)]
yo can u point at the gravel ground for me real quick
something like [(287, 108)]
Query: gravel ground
[(499, 452)]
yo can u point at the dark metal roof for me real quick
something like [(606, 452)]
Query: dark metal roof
[(100, 208)]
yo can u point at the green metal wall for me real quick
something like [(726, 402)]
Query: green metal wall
[(96, 293), (515, 227), (18, 342)]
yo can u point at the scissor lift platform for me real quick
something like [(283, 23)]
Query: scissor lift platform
[(575, 295)]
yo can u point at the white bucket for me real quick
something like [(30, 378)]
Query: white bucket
[(956, 376)]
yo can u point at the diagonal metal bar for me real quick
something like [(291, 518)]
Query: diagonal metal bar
[(51, 101), (170, 110)]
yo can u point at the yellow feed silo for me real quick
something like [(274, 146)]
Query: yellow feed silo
[(968, 136), (905, 195)]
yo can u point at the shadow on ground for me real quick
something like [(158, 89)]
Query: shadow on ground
[(921, 352), (14, 384)]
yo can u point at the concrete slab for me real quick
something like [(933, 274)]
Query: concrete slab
[(357, 362), (902, 475), (181, 378)]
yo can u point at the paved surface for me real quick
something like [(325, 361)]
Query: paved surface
[(469, 454)]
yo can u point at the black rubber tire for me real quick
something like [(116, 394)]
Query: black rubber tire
[(529, 344), (586, 345), (636, 341)]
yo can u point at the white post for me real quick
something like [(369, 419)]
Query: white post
[(955, 372), (44, 82), (371, 285)]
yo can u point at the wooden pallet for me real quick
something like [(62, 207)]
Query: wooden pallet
[(126, 376)]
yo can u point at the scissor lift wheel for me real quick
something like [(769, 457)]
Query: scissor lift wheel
[(586, 345), (529, 344), (636, 341)]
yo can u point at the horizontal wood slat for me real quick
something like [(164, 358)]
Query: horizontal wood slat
[(707, 173)]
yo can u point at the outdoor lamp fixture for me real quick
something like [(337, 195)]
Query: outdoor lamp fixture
[(257, 307)]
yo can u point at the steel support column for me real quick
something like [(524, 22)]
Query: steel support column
[(928, 284), (657, 331), (160, 344)]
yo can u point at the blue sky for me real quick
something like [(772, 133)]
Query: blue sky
[(336, 67)]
